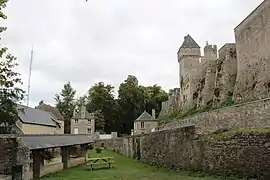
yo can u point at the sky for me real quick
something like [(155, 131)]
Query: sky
[(107, 40)]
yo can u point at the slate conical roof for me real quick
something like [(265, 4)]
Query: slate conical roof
[(189, 42), (145, 116)]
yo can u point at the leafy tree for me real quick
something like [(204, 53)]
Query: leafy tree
[(82, 101), (65, 103), (135, 98), (101, 98), (156, 95), (10, 93), (132, 102), (99, 121)]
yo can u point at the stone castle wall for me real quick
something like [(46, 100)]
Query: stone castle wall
[(252, 114), (226, 72), (242, 70), (245, 155), (252, 44)]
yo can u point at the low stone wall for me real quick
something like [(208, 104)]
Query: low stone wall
[(252, 114), (246, 155), (10, 155), (57, 167)]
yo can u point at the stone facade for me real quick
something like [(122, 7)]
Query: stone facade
[(12, 157), (204, 80), (251, 114), (238, 72), (243, 154), (226, 72), (82, 122), (252, 44), (145, 123)]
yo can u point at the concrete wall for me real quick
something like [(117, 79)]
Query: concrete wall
[(252, 114), (38, 129), (253, 55), (245, 155)]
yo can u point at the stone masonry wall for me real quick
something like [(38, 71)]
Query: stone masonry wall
[(245, 155), (253, 55), (226, 72), (252, 114), (7, 153)]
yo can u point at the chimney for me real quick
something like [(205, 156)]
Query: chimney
[(74, 112), (154, 113), (83, 112)]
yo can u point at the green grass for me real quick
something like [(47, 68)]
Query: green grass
[(228, 135), (123, 169)]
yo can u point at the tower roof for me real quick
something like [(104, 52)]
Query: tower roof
[(145, 116), (189, 42)]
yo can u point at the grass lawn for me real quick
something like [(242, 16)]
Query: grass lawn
[(123, 169)]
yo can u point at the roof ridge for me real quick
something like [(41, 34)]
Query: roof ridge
[(145, 116), (189, 42)]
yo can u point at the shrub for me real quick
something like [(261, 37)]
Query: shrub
[(99, 150)]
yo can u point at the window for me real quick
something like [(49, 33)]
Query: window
[(142, 125), (89, 121), (89, 130), (76, 121), (76, 131)]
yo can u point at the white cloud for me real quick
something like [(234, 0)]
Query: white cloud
[(106, 40)]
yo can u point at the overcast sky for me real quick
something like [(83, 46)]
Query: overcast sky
[(106, 40)]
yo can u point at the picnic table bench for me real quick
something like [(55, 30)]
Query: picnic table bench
[(100, 160)]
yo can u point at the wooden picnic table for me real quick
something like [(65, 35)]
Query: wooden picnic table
[(100, 160)]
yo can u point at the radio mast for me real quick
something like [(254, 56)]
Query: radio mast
[(29, 79)]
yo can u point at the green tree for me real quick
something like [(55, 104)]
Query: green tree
[(65, 103), (82, 101), (132, 100), (99, 121), (10, 93), (101, 98), (156, 95)]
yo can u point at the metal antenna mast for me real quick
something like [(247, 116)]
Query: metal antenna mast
[(29, 80)]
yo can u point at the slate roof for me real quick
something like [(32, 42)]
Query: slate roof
[(50, 141), (79, 115), (51, 109), (189, 42), (35, 116), (145, 116)]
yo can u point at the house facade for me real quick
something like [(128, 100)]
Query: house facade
[(36, 121), (145, 123), (82, 122)]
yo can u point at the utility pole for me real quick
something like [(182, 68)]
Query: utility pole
[(29, 79)]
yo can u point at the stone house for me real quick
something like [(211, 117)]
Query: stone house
[(36, 121), (145, 123), (82, 122)]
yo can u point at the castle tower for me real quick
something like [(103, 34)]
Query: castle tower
[(209, 66), (189, 55)]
